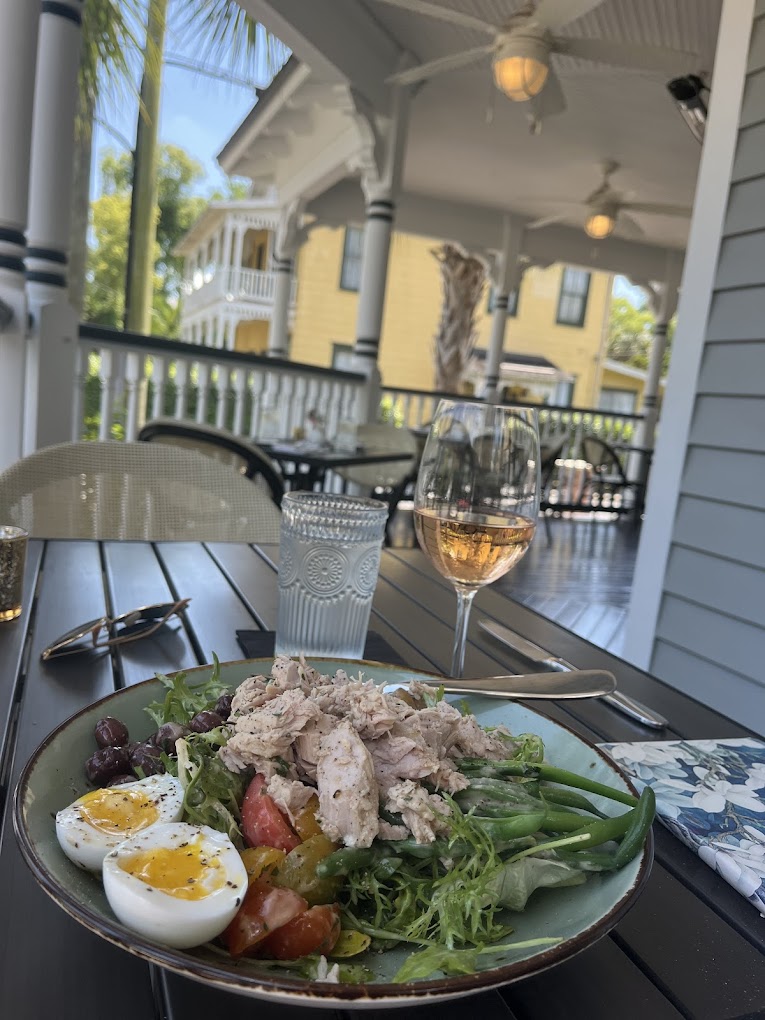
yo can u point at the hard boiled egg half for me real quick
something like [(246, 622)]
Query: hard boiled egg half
[(98, 822), (179, 884)]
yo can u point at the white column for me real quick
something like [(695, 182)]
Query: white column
[(381, 185), (664, 308), (506, 276), (239, 231), (289, 236), (18, 49), (51, 352), (226, 252)]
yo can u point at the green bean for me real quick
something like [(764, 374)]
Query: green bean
[(486, 767), (568, 798), (563, 821), (348, 859), (635, 836), (513, 827)]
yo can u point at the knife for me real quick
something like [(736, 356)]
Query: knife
[(622, 702)]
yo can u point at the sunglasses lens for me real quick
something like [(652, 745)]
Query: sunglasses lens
[(75, 640), (140, 621)]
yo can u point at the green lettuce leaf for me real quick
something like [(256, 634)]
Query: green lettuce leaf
[(513, 883)]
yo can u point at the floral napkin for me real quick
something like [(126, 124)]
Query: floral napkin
[(711, 795)]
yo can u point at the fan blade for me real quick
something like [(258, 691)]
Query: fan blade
[(655, 207), (546, 221), (550, 100), (552, 14), (450, 63), (444, 14), (628, 227), (637, 58)]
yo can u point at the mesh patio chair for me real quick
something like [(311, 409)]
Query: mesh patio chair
[(140, 491), (608, 488), (388, 481), (220, 444)]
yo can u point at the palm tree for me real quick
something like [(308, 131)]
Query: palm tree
[(462, 282), (118, 36)]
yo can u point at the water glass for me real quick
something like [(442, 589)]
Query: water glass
[(13, 552), (328, 563)]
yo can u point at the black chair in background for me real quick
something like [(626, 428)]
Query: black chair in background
[(221, 445)]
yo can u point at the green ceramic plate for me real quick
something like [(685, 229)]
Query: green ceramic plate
[(579, 915)]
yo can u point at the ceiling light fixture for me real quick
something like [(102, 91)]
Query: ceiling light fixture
[(686, 92), (600, 223), (521, 67)]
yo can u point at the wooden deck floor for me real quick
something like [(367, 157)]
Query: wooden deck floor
[(581, 578)]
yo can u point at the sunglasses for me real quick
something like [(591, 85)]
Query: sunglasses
[(106, 632)]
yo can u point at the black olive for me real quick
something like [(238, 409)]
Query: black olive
[(110, 732), (102, 765), (223, 706), (121, 779), (166, 736), (148, 758), (204, 721)]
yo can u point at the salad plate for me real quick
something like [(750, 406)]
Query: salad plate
[(574, 916)]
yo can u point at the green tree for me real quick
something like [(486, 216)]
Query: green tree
[(630, 335), (117, 43), (177, 208)]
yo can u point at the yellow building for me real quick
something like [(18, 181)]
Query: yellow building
[(556, 334)]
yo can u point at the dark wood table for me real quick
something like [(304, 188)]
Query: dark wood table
[(691, 946), (305, 469)]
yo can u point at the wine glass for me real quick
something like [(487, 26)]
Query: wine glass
[(477, 498)]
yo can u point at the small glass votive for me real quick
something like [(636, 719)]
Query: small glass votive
[(328, 563), (13, 553)]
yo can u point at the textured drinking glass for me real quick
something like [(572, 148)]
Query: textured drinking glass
[(13, 552), (328, 563)]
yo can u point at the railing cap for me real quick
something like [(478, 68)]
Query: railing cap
[(108, 336)]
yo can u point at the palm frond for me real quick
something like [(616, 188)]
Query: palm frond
[(113, 33), (226, 35)]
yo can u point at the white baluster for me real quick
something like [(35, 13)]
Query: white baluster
[(298, 410), (239, 383), (256, 395), (333, 414), (284, 390), (106, 404), (158, 381), (181, 382), (133, 377), (203, 391), (222, 408)]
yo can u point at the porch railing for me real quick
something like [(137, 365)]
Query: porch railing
[(233, 284), (124, 379)]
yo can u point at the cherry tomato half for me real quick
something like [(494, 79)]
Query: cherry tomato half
[(314, 931), (263, 824), (264, 910)]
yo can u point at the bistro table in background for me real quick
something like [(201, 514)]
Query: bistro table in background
[(690, 947), (304, 467)]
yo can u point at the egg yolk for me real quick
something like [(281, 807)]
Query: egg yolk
[(187, 871), (118, 810)]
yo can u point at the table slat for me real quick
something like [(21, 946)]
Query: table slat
[(135, 578)]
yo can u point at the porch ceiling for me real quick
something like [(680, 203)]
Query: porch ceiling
[(454, 154)]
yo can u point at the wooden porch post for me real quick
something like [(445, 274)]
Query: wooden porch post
[(506, 276), (18, 46), (52, 347)]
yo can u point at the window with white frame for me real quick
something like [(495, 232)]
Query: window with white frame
[(572, 300), (350, 271), (617, 401)]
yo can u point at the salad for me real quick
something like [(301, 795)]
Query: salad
[(307, 820)]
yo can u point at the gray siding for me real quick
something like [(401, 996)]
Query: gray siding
[(710, 634)]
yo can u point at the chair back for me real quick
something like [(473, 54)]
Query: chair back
[(386, 474), (140, 491), (603, 459), (220, 444)]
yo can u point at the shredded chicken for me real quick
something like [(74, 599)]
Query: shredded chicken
[(356, 747), (422, 812), (348, 798)]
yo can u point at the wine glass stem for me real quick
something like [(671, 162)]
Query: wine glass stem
[(464, 602)]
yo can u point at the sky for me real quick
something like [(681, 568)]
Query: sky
[(198, 113)]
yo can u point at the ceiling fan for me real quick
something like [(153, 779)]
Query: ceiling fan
[(605, 206), (521, 49)]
